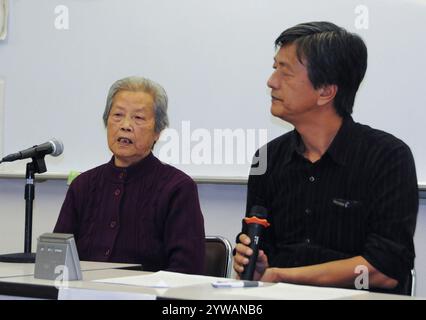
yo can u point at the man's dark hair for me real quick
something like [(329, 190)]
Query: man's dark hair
[(331, 55)]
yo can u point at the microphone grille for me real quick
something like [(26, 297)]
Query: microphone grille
[(58, 147)]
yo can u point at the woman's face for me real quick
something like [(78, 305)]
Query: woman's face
[(131, 127)]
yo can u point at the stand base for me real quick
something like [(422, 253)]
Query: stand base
[(18, 258)]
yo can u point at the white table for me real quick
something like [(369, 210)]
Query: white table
[(18, 280)]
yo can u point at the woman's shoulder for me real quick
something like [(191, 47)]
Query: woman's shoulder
[(173, 177), (87, 177)]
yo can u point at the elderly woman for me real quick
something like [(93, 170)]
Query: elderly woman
[(136, 209)]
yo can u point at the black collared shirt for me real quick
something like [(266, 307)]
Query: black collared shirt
[(360, 198)]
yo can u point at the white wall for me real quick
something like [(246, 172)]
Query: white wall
[(212, 57), (223, 207)]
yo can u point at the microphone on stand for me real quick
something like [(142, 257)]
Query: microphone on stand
[(37, 165), (53, 147)]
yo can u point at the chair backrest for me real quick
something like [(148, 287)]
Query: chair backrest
[(218, 259), (413, 282), (409, 286)]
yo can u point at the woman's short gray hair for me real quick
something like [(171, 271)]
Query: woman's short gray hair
[(140, 84)]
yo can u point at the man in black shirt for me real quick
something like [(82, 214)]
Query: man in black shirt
[(342, 197)]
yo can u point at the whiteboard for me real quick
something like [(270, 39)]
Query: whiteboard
[(212, 57)]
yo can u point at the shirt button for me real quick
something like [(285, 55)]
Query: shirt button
[(311, 179), (117, 192), (107, 253), (113, 224)]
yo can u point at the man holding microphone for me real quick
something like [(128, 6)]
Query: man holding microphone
[(340, 196)]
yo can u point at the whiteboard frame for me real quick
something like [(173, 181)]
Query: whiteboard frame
[(197, 179)]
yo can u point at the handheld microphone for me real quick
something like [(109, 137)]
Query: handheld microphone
[(53, 147), (255, 224)]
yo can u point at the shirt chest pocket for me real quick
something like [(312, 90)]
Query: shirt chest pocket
[(347, 211), (346, 222)]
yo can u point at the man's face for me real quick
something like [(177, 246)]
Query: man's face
[(293, 96), (130, 127)]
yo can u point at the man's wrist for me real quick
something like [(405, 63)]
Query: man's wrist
[(283, 274)]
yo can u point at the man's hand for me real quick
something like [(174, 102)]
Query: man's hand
[(241, 258)]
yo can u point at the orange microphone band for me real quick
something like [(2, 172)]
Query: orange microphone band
[(256, 220)]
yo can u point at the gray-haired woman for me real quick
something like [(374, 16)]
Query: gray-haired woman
[(135, 209)]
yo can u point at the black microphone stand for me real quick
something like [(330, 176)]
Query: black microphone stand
[(38, 165)]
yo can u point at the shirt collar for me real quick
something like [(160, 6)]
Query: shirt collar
[(337, 149), (137, 170), (344, 139), (295, 146)]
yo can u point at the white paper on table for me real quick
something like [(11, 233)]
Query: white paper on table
[(285, 291), (162, 279), (90, 294)]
